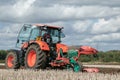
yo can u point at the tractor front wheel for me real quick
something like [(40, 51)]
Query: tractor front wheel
[(35, 58), (12, 60)]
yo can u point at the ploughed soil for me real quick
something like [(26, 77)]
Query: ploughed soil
[(102, 70), (109, 70), (2, 67)]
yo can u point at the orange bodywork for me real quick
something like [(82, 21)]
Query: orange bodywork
[(43, 45), (64, 61), (24, 45), (91, 70), (87, 50), (63, 47)]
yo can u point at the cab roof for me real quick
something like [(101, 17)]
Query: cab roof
[(42, 25)]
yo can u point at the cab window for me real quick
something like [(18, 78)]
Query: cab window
[(35, 33)]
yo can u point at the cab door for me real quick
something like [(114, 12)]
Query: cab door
[(24, 35)]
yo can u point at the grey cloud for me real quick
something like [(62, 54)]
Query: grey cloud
[(55, 13), (111, 37), (46, 3), (81, 19), (106, 26), (7, 2), (8, 35), (7, 44)]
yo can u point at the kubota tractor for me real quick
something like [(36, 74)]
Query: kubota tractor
[(40, 47)]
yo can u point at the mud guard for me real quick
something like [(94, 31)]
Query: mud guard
[(43, 45)]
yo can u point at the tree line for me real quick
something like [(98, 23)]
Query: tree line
[(109, 56)]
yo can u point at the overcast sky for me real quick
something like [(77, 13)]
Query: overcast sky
[(86, 22)]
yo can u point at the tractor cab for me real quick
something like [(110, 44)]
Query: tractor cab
[(49, 34)]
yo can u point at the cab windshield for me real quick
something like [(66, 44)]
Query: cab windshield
[(55, 33)]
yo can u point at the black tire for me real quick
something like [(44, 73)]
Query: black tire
[(21, 58), (40, 61), (12, 60)]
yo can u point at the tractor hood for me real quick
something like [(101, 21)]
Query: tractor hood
[(63, 47)]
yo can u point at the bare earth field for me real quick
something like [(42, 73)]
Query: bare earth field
[(107, 72), (54, 75), (103, 68)]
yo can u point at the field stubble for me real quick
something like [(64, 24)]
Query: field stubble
[(54, 75)]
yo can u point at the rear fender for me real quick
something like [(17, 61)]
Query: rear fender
[(43, 45)]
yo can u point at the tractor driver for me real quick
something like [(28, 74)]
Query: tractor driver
[(48, 39), (46, 36)]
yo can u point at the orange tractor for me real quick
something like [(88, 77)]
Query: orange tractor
[(40, 47)]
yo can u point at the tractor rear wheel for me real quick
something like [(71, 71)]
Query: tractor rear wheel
[(12, 60), (35, 58)]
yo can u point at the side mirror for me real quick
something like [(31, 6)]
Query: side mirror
[(62, 35), (17, 40)]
